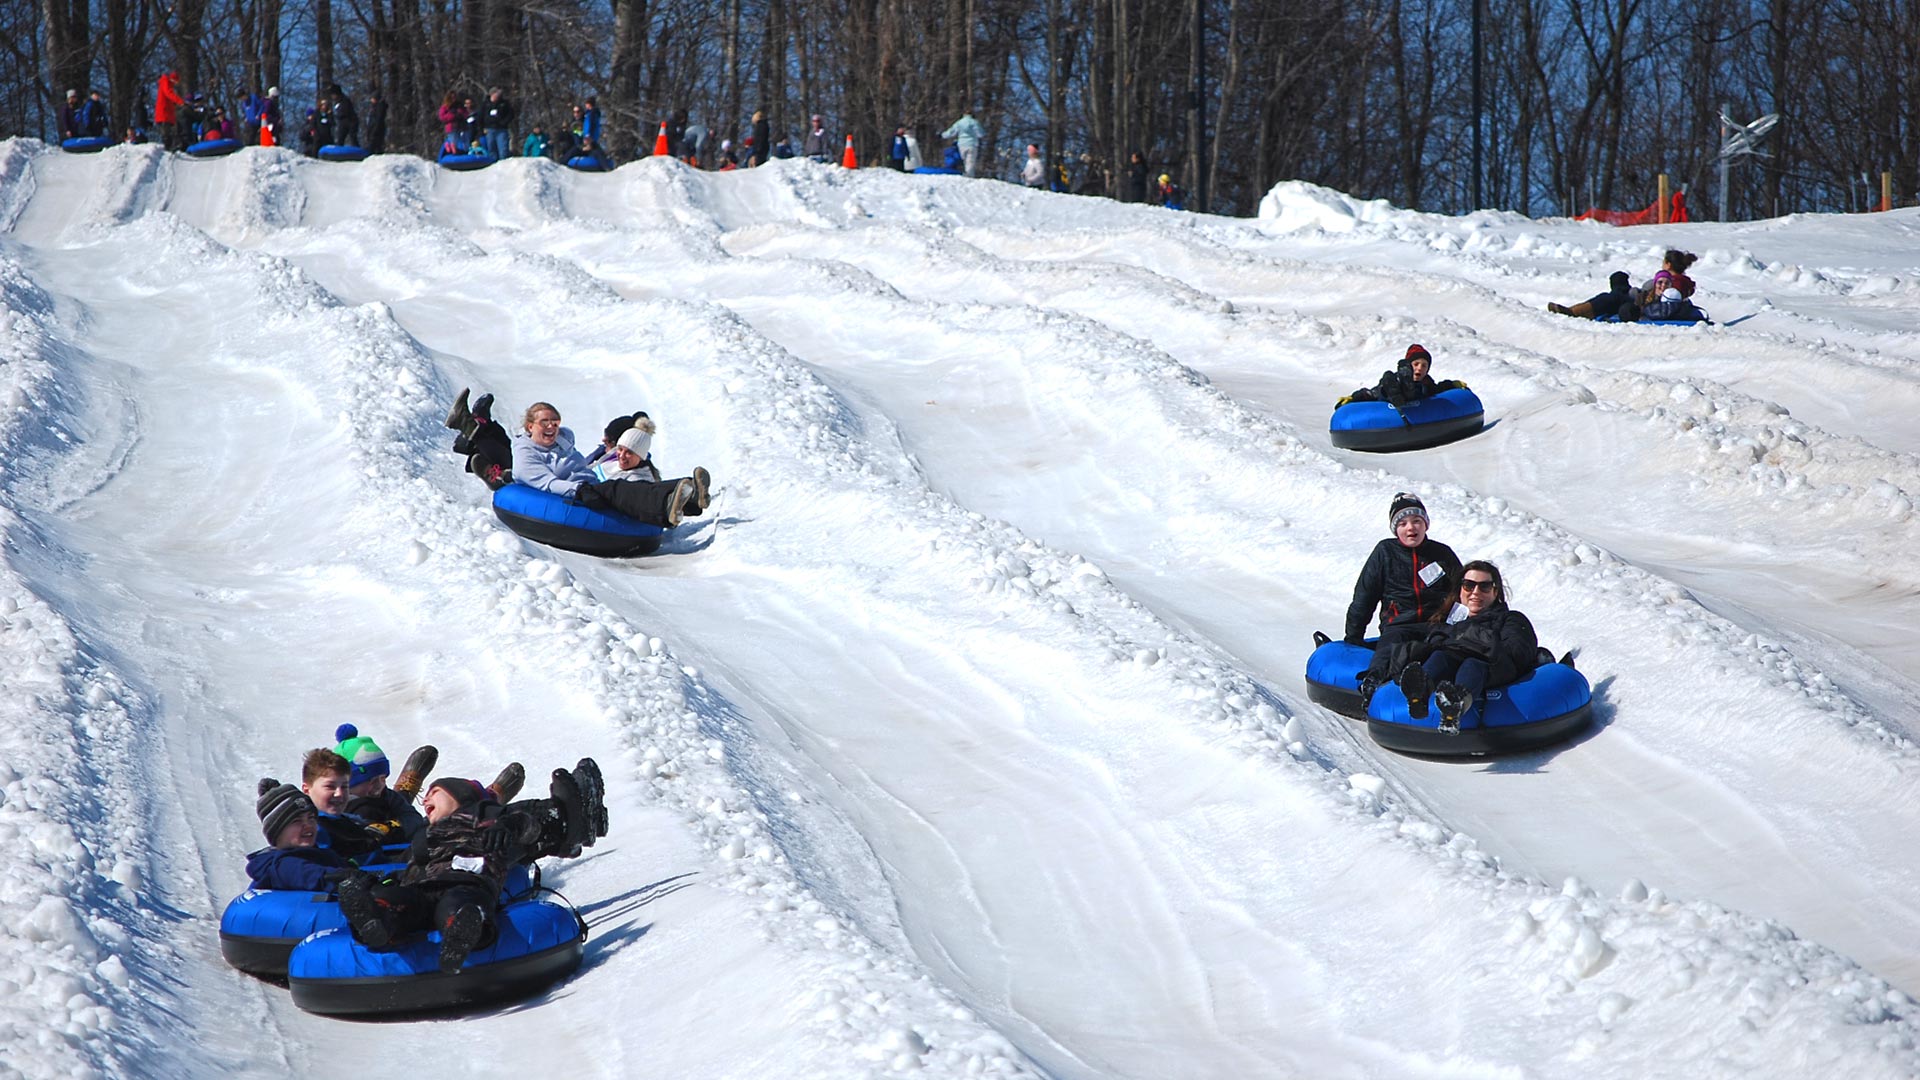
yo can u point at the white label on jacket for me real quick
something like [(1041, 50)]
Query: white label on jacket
[(1459, 612), (471, 863), (1431, 573)]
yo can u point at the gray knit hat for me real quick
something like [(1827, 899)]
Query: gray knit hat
[(279, 805), (1406, 505)]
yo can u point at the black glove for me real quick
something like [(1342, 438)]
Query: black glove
[(496, 839)]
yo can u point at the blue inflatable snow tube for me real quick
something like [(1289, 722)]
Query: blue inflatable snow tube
[(1701, 321), (1552, 703), (87, 144), (478, 159), (935, 170), (343, 153), (539, 943), (560, 522), (1451, 414), (213, 147), (586, 163), (260, 927)]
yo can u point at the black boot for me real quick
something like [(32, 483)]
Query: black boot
[(366, 919), (1369, 683), (1413, 683), (1454, 701), (460, 935), (593, 791), (460, 417), (483, 409), (574, 826)]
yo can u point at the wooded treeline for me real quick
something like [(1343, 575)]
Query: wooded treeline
[(1585, 101)]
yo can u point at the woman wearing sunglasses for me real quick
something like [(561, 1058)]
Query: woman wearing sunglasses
[(1477, 641)]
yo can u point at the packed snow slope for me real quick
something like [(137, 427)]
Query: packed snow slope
[(965, 734)]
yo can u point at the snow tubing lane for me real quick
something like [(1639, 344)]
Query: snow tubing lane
[(87, 144), (343, 153), (559, 522), (586, 164), (260, 927), (1550, 704), (213, 147), (464, 162), (1379, 427), (539, 944)]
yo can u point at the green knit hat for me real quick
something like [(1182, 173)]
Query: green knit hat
[(364, 756)]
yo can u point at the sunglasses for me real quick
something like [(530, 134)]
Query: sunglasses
[(1477, 585)]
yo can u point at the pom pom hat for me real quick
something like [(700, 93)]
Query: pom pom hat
[(365, 759), (638, 438), (279, 805), (1406, 505)]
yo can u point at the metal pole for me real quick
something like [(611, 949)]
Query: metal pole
[(1725, 111)]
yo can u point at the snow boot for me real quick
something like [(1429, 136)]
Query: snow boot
[(460, 416), (508, 783), (676, 500), (574, 825), (593, 792), (459, 936), (1369, 683), (701, 478), (366, 918), (482, 409), (414, 773), (1413, 683), (1454, 701)]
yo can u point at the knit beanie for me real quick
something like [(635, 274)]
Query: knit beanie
[(1413, 352), (464, 792), (1618, 281), (364, 757), (639, 437), (279, 805), (1405, 505)]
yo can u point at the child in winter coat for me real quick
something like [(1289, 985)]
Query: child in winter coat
[(457, 866), (1406, 578), (292, 858), (1410, 381)]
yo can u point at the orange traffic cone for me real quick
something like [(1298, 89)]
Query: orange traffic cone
[(266, 134), (660, 142), (847, 159)]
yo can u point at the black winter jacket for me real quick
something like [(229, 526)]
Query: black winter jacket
[(1391, 582), (1499, 635)]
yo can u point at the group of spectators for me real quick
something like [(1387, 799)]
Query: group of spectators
[(486, 127)]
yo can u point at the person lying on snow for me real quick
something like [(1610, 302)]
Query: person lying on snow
[(1410, 381), (544, 457), (456, 868), (1475, 641), (1405, 578), (1619, 294), (1669, 296)]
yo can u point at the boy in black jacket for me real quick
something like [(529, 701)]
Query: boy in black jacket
[(1406, 578)]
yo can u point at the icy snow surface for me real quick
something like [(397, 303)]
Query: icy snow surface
[(965, 735)]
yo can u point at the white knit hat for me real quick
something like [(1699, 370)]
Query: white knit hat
[(638, 438)]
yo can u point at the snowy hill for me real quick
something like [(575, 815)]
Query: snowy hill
[(966, 734)]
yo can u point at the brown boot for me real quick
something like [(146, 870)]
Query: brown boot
[(414, 772)]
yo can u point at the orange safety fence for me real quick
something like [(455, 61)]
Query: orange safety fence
[(1648, 216)]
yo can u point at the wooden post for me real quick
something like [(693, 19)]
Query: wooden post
[(1886, 192), (1660, 214)]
